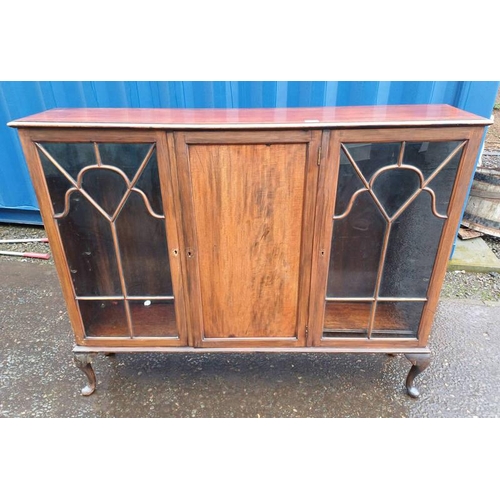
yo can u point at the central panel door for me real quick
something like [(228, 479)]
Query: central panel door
[(248, 202)]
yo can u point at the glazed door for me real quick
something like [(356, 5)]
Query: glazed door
[(248, 206), (386, 222), (108, 209)]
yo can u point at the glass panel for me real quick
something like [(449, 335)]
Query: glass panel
[(143, 248), (56, 183), (71, 156), (411, 251), (427, 156), (149, 183), (397, 319), (370, 157), (88, 237), (412, 246), (349, 317), (443, 183), (355, 254), (153, 318), (348, 183), (393, 188), (104, 318), (89, 249), (106, 188), (126, 156)]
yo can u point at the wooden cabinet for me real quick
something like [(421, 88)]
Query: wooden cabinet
[(312, 229)]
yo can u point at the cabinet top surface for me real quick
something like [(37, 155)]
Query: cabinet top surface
[(265, 118)]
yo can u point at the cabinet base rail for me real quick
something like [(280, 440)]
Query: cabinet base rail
[(419, 358)]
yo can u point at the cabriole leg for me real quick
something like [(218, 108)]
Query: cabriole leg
[(83, 361), (420, 362)]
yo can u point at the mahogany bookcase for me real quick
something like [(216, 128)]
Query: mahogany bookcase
[(255, 230)]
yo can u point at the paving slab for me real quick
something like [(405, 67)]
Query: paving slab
[(475, 256)]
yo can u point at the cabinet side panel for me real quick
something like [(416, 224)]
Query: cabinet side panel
[(248, 203), (53, 235)]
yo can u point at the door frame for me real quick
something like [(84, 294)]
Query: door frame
[(324, 226), (179, 143), (28, 139)]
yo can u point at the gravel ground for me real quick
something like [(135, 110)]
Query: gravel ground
[(490, 160), (465, 285), (493, 243), (18, 231)]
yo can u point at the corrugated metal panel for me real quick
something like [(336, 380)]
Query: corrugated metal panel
[(18, 99)]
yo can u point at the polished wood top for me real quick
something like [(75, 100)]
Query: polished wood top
[(264, 118)]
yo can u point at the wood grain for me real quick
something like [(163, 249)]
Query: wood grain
[(249, 137), (187, 235), (323, 226), (393, 134), (78, 134), (370, 347), (319, 117), (314, 153), (172, 211), (248, 215)]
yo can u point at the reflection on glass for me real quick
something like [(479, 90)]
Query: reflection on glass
[(104, 318)]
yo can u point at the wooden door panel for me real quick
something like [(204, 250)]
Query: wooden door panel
[(249, 204), (249, 225)]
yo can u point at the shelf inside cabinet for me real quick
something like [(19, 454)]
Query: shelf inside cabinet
[(391, 319), (107, 318)]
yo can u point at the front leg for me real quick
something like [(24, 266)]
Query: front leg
[(420, 362), (83, 361)]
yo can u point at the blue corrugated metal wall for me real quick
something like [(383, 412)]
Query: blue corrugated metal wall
[(19, 99)]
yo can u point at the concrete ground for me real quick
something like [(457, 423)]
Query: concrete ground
[(38, 378)]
